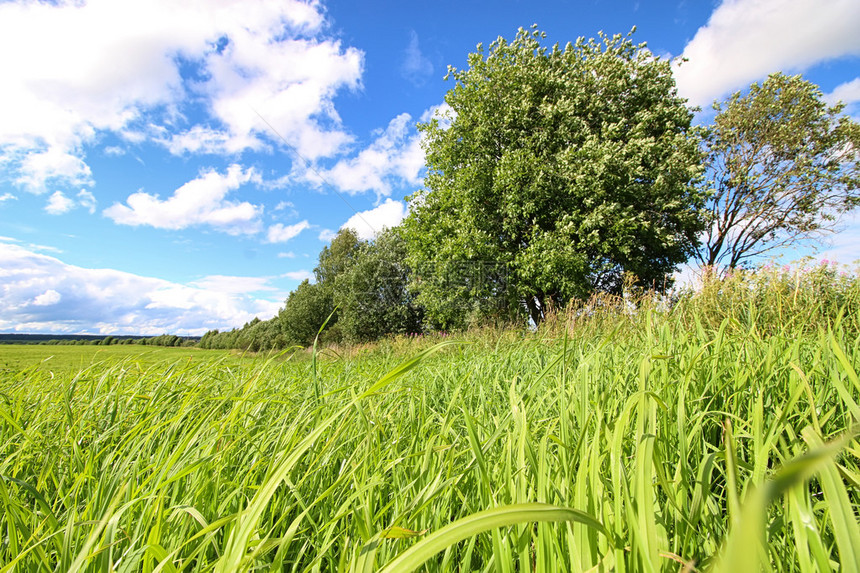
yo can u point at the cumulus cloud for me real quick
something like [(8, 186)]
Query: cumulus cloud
[(47, 298), (82, 69), (58, 204), (327, 235), (52, 164), (393, 158), (299, 275), (43, 294), (849, 94), (745, 40), (368, 223), (416, 67), (201, 201), (280, 233), (234, 285), (7, 197)]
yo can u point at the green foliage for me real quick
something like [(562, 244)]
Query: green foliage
[(371, 293), (306, 309), (310, 305), (337, 257), (360, 288), (566, 167), (783, 165)]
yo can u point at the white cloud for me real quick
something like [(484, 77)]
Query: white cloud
[(53, 164), (848, 93), (7, 197), (394, 157), (368, 223), (43, 294), (30, 246), (201, 201), (287, 209), (47, 298), (844, 245), (58, 204), (234, 285), (299, 275), (442, 112), (287, 255), (745, 40), (327, 235), (416, 67), (87, 200), (280, 233), (81, 69)]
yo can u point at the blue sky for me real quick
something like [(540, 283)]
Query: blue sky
[(176, 166)]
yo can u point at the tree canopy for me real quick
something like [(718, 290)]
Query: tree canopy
[(372, 293), (566, 167), (782, 165)]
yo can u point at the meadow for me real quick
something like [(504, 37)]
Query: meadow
[(717, 432), (62, 359)]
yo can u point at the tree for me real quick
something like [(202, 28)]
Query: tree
[(782, 165), (337, 257), (554, 173), (372, 293), (304, 313), (308, 307)]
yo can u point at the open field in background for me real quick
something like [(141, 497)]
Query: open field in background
[(62, 359), (660, 428)]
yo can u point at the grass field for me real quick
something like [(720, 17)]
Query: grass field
[(62, 359), (609, 440)]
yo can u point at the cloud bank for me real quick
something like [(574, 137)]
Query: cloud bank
[(233, 60), (42, 294), (745, 40)]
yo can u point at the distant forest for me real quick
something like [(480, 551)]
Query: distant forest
[(96, 339)]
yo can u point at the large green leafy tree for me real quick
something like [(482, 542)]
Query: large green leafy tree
[(554, 172), (782, 165), (372, 292)]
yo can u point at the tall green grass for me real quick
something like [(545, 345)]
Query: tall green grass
[(716, 435)]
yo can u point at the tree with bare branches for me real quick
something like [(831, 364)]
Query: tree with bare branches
[(782, 166)]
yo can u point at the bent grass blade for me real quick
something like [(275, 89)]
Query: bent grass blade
[(483, 521)]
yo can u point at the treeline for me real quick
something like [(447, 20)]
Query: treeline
[(361, 293), (95, 340)]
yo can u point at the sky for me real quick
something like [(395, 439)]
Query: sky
[(176, 166)]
